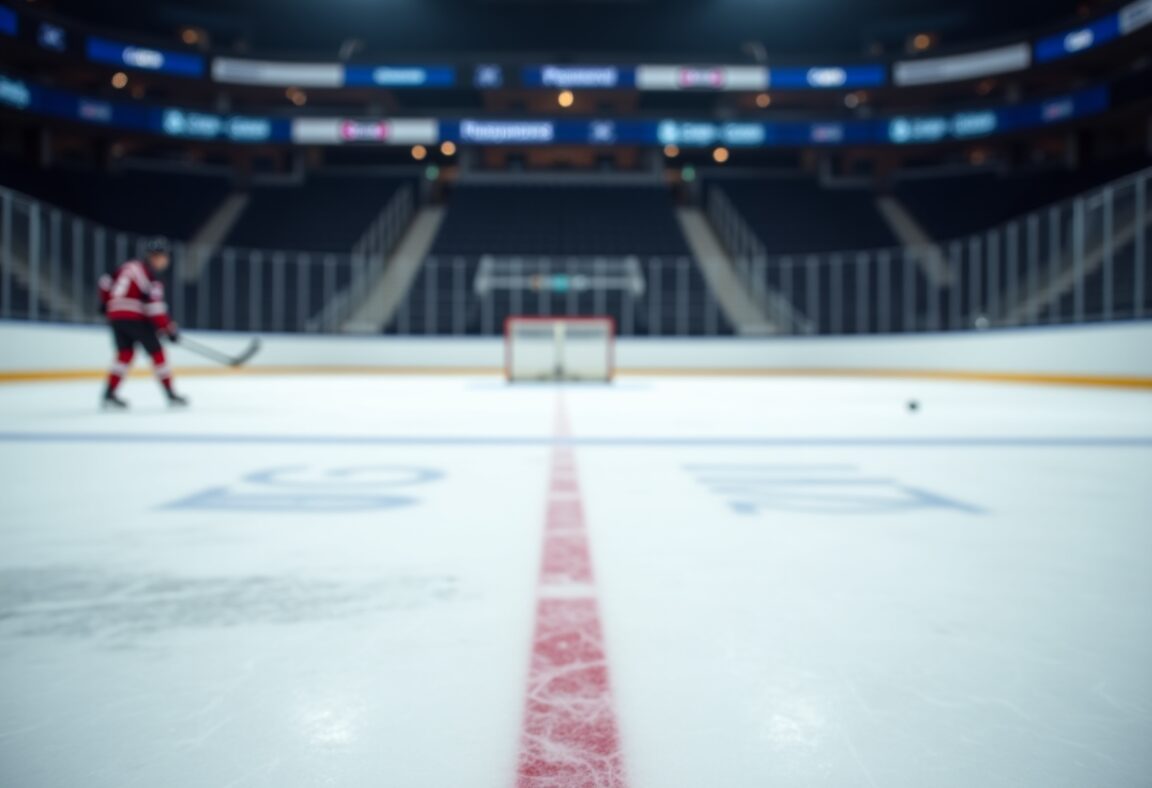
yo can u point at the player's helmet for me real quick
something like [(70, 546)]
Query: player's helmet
[(157, 245)]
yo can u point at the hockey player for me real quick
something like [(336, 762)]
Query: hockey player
[(133, 300)]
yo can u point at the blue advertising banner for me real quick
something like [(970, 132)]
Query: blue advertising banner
[(922, 129), (900, 130), (115, 53), (1079, 40), (9, 25), (400, 76), (187, 124), (827, 77), (581, 77)]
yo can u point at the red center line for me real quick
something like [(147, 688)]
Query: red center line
[(570, 737)]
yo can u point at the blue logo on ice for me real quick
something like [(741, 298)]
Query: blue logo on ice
[(816, 489), (298, 488)]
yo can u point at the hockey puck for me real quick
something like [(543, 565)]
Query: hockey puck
[(913, 406)]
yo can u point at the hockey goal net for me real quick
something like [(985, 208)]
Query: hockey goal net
[(559, 348)]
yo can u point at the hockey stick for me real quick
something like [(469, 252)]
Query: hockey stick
[(216, 355)]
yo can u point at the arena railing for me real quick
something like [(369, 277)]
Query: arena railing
[(51, 261), (370, 257), (1081, 260), (473, 295)]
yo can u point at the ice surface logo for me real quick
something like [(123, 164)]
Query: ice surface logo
[(305, 490), (751, 490)]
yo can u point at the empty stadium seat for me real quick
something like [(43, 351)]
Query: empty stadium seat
[(326, 213), (571, 226), (798, 216), (561, 220), (952, 206), (149, 203)]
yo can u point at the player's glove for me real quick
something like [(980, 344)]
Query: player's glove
[(173, 332)]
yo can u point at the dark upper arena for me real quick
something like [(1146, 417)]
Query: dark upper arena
[(861, 167)]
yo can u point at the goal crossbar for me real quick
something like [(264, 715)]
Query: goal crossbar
[(559, 348)]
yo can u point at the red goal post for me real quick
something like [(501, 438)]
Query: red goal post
[(559, 348)]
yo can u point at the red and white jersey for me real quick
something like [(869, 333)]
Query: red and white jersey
[(134, 293)]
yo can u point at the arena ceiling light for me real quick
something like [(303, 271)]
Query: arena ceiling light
[(195, 37), (921, 42)]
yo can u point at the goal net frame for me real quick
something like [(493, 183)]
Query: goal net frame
[(560, 340)]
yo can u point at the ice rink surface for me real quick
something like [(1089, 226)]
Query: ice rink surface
[(666, 583)]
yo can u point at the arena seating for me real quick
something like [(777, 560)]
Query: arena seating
[(796, 218), (144, 202), (134, 202), (796, 215), (957, 205), (803, 227), (561, 220), (326, 213), (571, 225), (324, 217)]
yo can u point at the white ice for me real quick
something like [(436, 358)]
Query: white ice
[(330, 581)]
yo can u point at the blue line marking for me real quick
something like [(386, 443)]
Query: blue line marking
[(945, 441)]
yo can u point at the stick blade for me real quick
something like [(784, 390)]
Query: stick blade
[(247, 355)]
